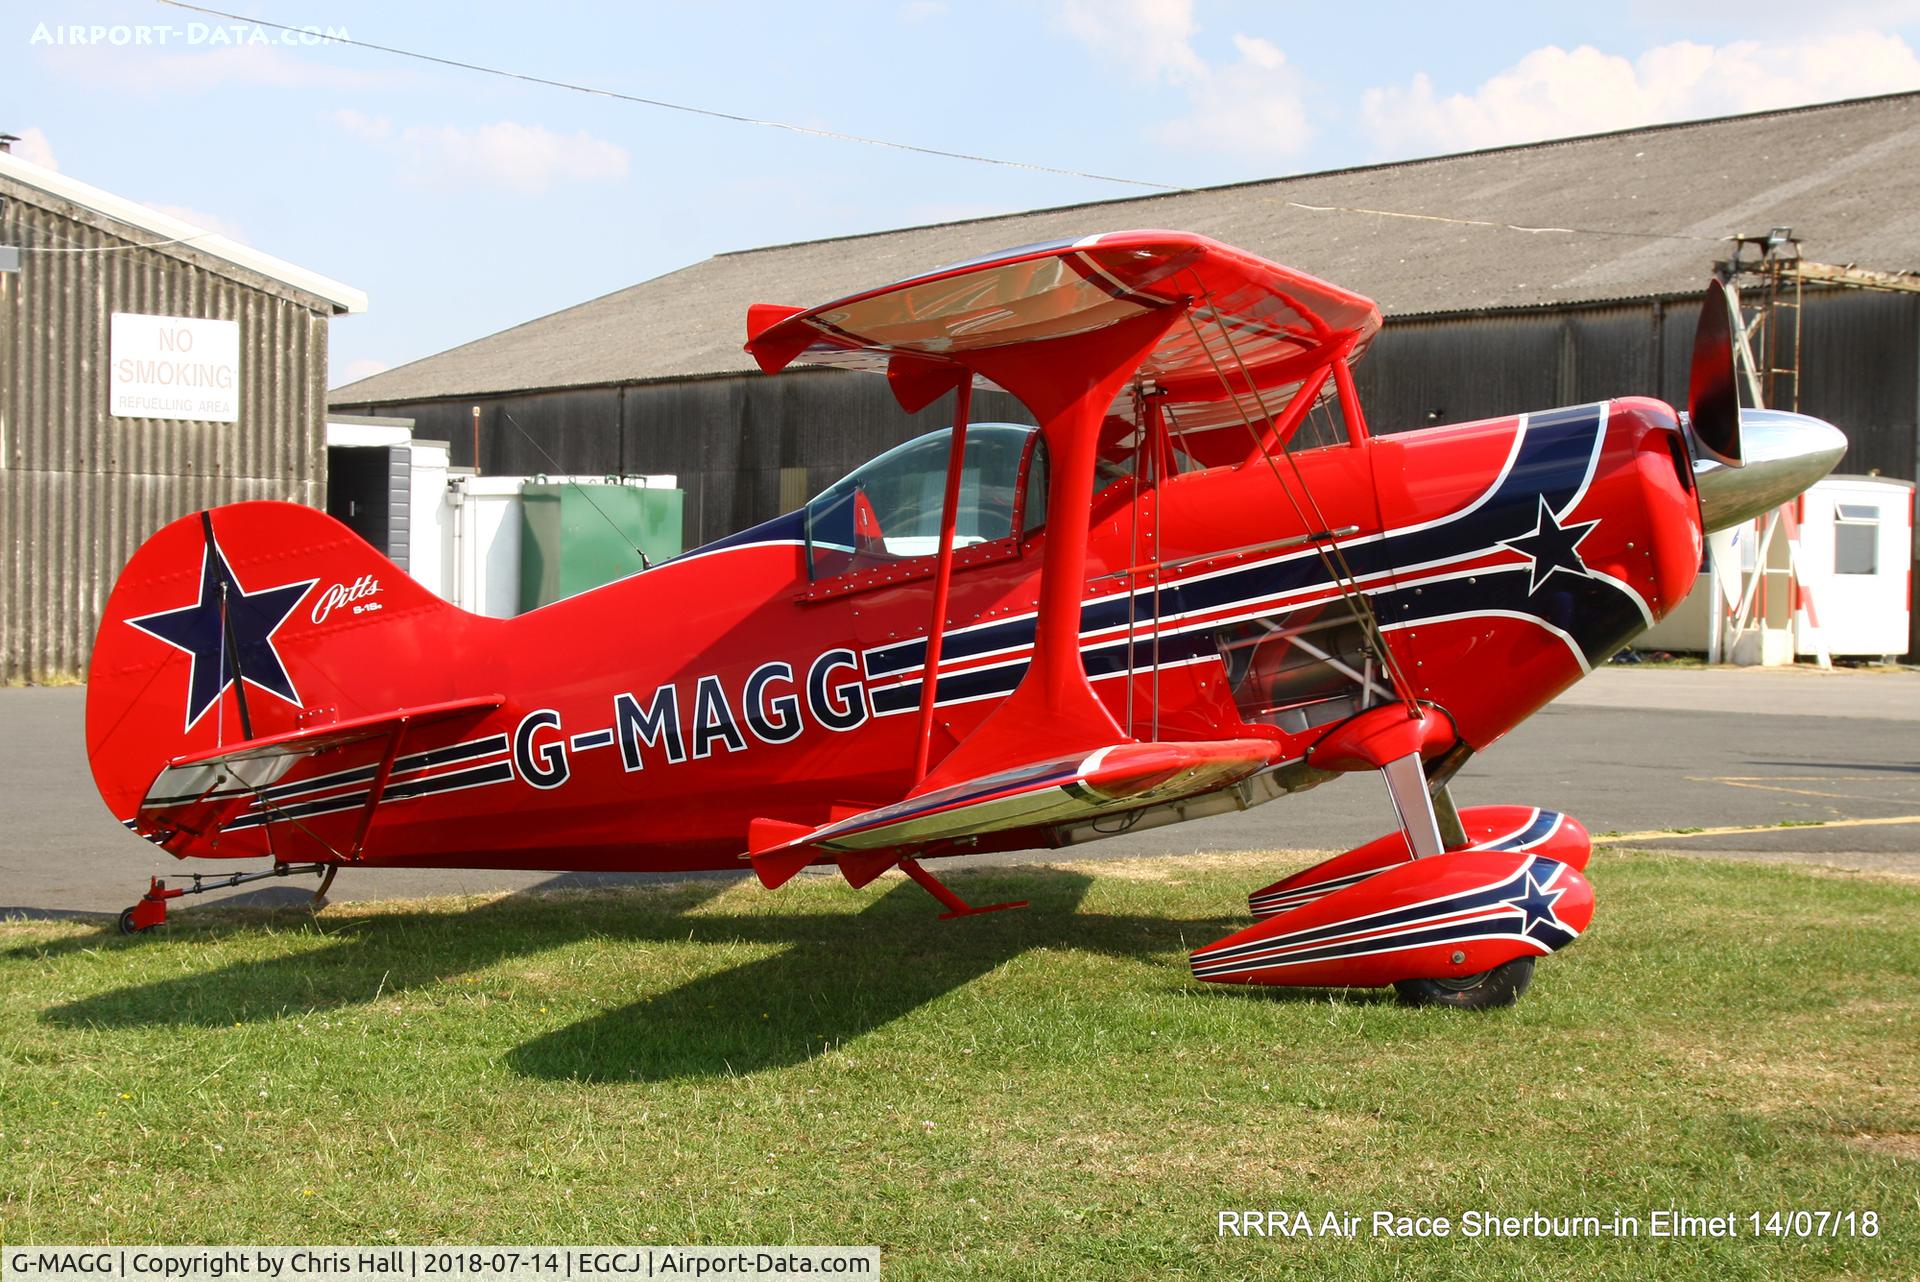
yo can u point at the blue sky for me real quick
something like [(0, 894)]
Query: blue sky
[(464, 203)]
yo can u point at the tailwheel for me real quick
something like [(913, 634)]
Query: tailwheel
[(1488, 990), (127, 925)]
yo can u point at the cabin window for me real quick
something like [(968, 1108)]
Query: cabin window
[(889, 509), (1856, 538)]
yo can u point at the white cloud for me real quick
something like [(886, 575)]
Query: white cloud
[(1555, 93), (1760, 15), (34, 148), (203, 220), (1151, 39), (362, 126), (1254, 106), (523, 158)]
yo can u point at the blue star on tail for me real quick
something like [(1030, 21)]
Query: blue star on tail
[(243, 646), (1551, 546)]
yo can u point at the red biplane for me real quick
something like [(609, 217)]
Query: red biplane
[(1199, 584)]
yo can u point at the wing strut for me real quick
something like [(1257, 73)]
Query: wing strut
[(1068, 384), (943, 572), (955, 906)]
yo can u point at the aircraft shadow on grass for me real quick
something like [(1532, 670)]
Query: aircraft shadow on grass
[(833, 978)]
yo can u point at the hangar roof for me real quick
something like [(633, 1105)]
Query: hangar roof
[(1635, 214), (167, 234)]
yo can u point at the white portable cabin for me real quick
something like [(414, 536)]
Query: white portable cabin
[(1834, 580), (1856, 556)]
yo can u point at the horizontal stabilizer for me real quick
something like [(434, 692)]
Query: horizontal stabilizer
[(1118, 777), (199, 792)]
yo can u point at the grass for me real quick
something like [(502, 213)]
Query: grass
[(1041, 1094)]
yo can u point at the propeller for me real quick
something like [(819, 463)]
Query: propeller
[(1713, 394), (1745, 462)]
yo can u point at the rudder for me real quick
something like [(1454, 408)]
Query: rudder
[(250, 620)]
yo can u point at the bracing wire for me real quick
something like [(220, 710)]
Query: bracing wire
[(1332, 559)]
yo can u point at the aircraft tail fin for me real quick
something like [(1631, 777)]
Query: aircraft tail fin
[(254, 622)]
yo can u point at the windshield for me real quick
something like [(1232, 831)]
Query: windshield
[(889, 509)]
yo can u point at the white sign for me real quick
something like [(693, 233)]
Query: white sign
[(174, 367)]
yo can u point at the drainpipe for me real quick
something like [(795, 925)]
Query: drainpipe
[(457, 501)]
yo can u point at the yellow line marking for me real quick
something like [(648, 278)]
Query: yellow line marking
[(1668, 835), (1775, 778), (1809, 792)]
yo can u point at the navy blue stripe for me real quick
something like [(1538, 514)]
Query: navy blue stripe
[(1539, 867), (341, 779), (1413, 939), (1551, 463), (1103, 661), (1484, 897), (785, 528), (412, 761), (496, 772), (1597, 615), (1539, 828)]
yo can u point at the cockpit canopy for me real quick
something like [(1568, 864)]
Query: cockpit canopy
[(889, 509)]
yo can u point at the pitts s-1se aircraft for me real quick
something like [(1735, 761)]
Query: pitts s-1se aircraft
[(1170, 599)]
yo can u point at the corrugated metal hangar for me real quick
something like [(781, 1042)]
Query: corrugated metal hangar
[(1566, 272), (148, 368)]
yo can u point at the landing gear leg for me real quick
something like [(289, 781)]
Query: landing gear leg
[(1452, 832), (956, 906), (1407, 785)]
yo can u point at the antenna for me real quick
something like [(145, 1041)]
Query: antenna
[(612, 524)]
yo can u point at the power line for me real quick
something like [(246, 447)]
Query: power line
[(1172, 189), (709, 112)]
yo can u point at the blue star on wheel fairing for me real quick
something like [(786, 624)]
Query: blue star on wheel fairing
[(1535, 903), (228, 632)]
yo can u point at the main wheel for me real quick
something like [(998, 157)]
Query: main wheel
[(1487, 990)]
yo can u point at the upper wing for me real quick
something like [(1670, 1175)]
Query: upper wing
[(1258, 328)]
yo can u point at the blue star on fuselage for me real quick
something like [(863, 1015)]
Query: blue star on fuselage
[(1551, 546), (1535, 903), (251, 618)]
